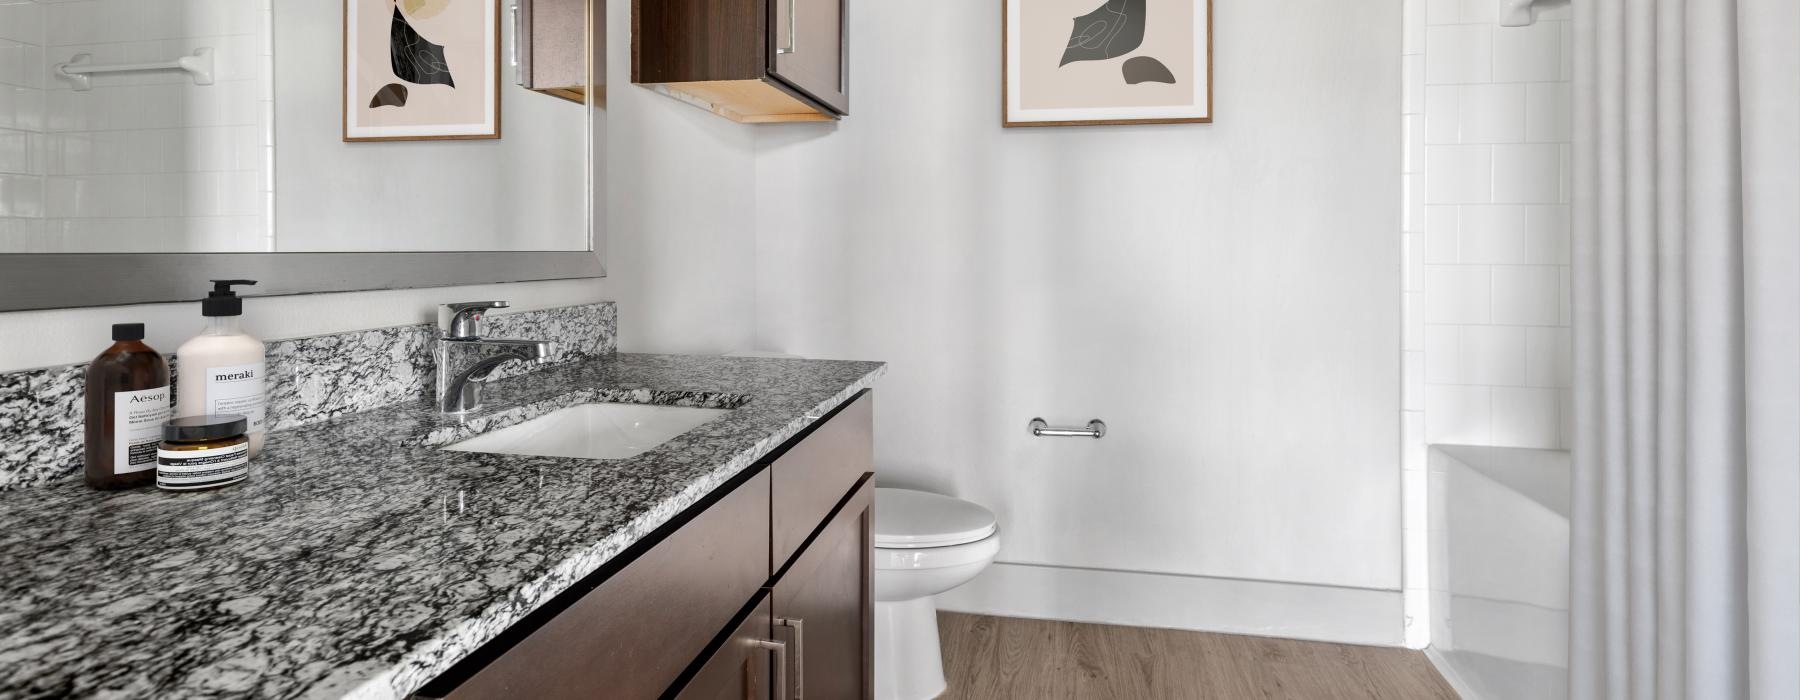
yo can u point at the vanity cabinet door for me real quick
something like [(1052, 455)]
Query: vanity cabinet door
[(634, 634), (808, 41), (814, 473), (740, 669), (824, 606)]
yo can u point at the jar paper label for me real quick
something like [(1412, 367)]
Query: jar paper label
[(138, 417), (237, 389)]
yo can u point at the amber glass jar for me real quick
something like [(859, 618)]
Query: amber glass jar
[(203, 452)]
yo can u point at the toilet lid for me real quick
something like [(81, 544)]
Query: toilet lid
[(907, 519)]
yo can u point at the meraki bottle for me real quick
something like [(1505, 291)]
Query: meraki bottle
[(127, 403), (222, 368)]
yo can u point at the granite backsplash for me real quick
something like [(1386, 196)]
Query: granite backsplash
[(309, 380)]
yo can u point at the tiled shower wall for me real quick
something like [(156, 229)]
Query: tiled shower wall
[(145, 161), (21, 121), (1486, 286)]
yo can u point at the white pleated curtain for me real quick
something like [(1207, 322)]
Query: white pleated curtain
[(1687, 350)]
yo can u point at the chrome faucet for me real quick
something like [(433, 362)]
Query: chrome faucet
[(464, 358)]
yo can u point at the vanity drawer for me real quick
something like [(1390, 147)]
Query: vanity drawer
[(816, 471), (634, 634)]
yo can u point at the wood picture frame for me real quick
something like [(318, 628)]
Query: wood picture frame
[(1068, 106), (431, 114)]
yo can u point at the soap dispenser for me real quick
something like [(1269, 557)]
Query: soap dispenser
[(221, 370)]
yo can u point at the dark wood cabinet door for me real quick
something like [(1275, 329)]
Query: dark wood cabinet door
[(824, 606), (740, 669), (635, 633), (807, 49), (811, 476)]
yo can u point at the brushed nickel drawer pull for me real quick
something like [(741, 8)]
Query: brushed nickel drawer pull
[(799, 628), (793, 41), (779, 649), (1095, 429)]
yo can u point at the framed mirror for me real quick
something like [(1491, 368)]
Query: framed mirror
[(146, 147)]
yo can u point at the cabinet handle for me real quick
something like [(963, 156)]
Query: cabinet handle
[(793, 42), (798, 625), (779, 650)]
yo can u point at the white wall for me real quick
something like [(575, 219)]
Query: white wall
[(1224, 296)]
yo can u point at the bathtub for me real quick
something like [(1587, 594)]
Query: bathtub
[(1499, 536)]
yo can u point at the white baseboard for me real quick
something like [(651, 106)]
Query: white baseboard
[(1234, 606), (1448, 671)]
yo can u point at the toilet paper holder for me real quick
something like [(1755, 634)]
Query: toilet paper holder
[(1095, 429)]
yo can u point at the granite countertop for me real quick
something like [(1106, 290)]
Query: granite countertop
[(360, 560)]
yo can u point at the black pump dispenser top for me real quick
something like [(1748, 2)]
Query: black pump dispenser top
[(222, 301)]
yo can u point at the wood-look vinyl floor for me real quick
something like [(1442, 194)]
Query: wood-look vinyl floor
[(995, 658)]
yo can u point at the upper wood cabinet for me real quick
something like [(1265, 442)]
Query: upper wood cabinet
[(550, 45), (746, 60)]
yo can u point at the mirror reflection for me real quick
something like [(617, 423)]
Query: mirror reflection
[(172, 126)]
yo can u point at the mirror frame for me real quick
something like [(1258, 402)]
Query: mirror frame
[(33, 281), (38, 281)]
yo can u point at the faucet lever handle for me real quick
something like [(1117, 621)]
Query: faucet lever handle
[(463, 319)]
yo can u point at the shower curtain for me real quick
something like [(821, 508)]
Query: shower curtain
[(1686, 289)]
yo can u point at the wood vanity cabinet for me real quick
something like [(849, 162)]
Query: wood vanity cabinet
[(708, 605), (746, 60)]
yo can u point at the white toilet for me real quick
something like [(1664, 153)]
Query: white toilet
[(925, 544)]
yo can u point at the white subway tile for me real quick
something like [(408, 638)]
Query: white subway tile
[(1412, 323), (1412, 205), (1459, 174), (1459, 294), (1412, 438), (1441, 235), (1412, 262), (1441, 114), (1412, 27), (21, 108), (21, 196), (1413, 136), (1480, 11), (1531, 53), (21, 152), (1412, 85), (1495, 234), (1548, 114), (1458, 414), (1443, 355), (1462, 53), (1491, 113), (1547, 231), (1443, 11), (1493, 355), (1526, 418), (1527, 174), (1548, 353), (1412, 395), (1526, 295), (22, 22), (21, 64)]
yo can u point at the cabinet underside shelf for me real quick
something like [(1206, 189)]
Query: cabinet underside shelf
[(749, 101)]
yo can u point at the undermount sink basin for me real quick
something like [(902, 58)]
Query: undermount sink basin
[(593, 431)]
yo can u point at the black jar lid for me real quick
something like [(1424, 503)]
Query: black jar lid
[(204, 428)]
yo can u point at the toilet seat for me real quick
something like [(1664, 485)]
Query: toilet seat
[(908, 519)]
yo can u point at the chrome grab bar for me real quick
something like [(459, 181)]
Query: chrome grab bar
[(1095, 429)]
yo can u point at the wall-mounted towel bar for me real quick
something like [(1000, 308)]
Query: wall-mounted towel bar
[(78, 71), (1095, 429)]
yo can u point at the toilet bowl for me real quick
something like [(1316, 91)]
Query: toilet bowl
[(925, 544)]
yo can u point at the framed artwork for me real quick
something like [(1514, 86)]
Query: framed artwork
[(418, 70), (1072, 62)]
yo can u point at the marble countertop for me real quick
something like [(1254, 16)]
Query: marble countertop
[(359, 560)]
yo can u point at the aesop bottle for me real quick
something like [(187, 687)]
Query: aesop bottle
[(127, 404)]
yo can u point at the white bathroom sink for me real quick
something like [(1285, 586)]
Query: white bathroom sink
[(593, 431)]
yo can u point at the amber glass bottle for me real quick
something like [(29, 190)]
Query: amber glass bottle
[(127, 403)]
